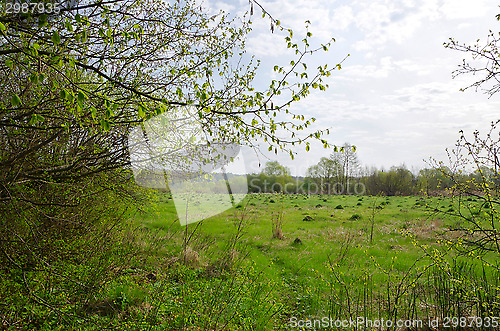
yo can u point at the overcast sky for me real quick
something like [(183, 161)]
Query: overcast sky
[(395, 98)]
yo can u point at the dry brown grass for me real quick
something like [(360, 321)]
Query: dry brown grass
[(425, 228), (190, 257)]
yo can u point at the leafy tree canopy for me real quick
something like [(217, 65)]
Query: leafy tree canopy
[(102, 64), (274, 168)]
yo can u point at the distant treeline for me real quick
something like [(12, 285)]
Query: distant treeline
[(395, 181), (341, 173)]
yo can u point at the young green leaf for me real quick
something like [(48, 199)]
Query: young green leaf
[(56, 38), (141, 112), (15, 100), (34, 78), (42, 20), (105, 124), (33, 119), (93, 112), (81, 98)]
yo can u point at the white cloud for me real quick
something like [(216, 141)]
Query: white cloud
[(387, 22), (461, 9), (421, 96), (267, 44), (343, 17), (294, 14), (361, 72)]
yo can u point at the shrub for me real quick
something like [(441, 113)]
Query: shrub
[(355, 217)]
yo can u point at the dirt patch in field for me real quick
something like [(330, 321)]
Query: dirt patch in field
[(424, 228)]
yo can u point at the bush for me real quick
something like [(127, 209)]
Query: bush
[(355, 217), (56, 257)]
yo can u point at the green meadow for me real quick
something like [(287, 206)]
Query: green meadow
[(275, 262)]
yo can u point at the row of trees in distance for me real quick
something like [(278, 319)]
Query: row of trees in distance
[(342, 173)]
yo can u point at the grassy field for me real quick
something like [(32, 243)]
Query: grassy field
[(275, 259)]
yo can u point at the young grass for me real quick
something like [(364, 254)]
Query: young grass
[(228, 273)]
